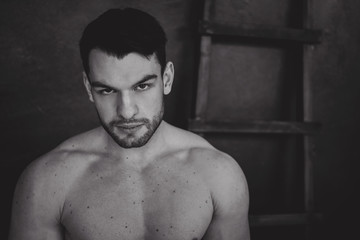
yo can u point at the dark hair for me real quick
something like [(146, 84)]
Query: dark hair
[(119, 32)]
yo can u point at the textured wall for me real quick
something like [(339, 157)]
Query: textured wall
[(336, 96)]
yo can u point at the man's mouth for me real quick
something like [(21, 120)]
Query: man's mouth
[(129, 126)]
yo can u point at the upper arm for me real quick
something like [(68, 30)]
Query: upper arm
[(231, 202), (36, 207)]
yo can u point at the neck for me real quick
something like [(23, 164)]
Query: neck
[(140, 156)]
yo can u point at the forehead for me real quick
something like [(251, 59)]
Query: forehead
[(130, 68)]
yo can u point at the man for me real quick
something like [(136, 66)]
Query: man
[(136, 176)]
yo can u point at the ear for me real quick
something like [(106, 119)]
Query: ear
[(168, 77), (88, 87)]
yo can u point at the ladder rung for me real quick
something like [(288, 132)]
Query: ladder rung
[(284, 219), (255, 126), (261, 31)]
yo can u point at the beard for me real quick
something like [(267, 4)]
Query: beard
[(131, 140)]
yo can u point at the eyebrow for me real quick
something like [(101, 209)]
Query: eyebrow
[(144, 79)]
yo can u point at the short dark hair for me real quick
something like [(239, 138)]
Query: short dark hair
[(119, 32)]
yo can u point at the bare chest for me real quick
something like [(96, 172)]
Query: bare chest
[(158, 204)]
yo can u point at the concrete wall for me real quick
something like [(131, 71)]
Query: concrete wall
[(336, 97)]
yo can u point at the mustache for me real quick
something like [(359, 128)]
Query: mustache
[(130, 121)]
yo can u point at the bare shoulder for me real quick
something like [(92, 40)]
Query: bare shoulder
[(54, 171), (217, 167), (41, 191), (220, 171), (229, 192), (183, 139), (85, 141), (42, 188)]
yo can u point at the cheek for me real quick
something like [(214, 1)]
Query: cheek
[(152, 103), (106, 109)]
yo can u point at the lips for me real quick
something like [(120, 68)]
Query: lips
[(129, 126)]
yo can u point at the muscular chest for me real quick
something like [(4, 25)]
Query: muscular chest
[(158, 204)]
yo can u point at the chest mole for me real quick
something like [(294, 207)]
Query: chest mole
[(162, 202)]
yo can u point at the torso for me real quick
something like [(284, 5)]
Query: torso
[(168, 199)]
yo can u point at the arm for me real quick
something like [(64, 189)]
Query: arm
[(36, 207), (231, 202)]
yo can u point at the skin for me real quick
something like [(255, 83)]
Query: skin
[(98, 185)]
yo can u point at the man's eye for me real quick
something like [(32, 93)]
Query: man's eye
[(142, 87), (106, 91)]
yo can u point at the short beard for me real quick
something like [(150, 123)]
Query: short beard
[(126, 142)]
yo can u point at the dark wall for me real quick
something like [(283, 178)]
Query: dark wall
[(43, 101), (336, 97)]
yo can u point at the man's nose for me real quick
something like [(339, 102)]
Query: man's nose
[(126, 106)]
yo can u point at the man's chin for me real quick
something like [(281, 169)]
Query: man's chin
[(127, 143), (131, 139)]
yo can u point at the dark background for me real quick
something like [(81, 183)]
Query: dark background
[(43, 101)]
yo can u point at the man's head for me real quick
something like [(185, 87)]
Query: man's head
[(125, 74)]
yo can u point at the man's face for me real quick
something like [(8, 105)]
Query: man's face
[(128, 95)]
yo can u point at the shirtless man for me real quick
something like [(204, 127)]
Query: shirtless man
[(136, 176)]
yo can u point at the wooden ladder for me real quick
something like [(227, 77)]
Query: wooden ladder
[(306, 127)]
